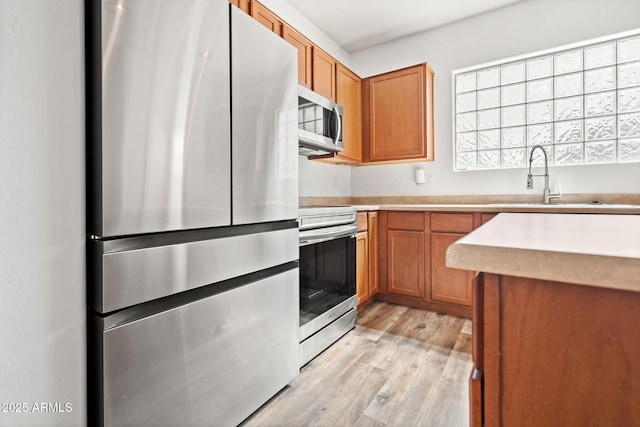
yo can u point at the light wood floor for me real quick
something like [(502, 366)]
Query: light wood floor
[(399, 367)]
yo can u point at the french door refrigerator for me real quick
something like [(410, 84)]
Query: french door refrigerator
[(192, 244)]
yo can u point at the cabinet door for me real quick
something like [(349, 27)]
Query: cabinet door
[(362, 221), (398, 115), (373, 253), (324, 74), (243, 5), (449, 285), (559, 354), (266, 17), (406, 258), (305, 52), (362, 268), (348, 95)]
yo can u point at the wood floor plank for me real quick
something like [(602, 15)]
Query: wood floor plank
[(427, 340), (365, 421), (377, 319), (298, 404), (399, 367), (346, 401), (443, 406), (406, 388), (466, 329)]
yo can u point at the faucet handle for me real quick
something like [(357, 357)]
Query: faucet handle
[(556, 195)]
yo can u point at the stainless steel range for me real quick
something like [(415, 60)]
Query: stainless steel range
[(327, 277)]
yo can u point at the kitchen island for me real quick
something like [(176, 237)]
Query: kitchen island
[(555, 308)]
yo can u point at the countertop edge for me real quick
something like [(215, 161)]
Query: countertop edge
[(523, 208), (493, 248), (593, 270)]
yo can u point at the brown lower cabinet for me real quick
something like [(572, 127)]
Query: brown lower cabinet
[(366, 258), (407, 262), (362, 268), (412, 259), (372, 222), (554, 354), (448, 285)]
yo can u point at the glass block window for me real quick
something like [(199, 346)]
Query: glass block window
[(581, 103)]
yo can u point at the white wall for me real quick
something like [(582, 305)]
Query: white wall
[(522, 28), (42, 220), (319, 179)]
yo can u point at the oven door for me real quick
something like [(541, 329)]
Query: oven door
[(327, 276)]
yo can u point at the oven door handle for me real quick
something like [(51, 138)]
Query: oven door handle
[(310, 237)]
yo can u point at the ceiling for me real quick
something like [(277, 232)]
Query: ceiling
[(359, 24)]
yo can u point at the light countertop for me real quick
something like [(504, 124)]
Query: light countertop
[(595, 250), (509, 207)]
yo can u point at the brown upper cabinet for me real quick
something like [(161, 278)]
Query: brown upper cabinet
[(244, 5), (387, 118), (305, 54), (397, 111), (266, 18), (349, 95), (324, 74)]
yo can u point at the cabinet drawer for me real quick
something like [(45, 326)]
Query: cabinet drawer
[(406, 221), (361, 221), (452, 223)]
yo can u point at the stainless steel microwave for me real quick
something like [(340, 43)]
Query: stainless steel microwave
[(319, 124)]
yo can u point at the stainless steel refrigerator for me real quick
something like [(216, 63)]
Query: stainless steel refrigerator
[(192, 246)]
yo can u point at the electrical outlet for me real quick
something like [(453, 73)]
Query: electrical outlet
[(428, 179)]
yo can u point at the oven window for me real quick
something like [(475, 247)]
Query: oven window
[(327, 276)]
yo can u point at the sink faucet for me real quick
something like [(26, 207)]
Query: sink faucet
[(546, 192)]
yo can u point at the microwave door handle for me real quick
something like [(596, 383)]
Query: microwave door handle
[(338, 125)]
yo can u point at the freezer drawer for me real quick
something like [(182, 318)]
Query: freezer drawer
[(209, 363), (127, 277)]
